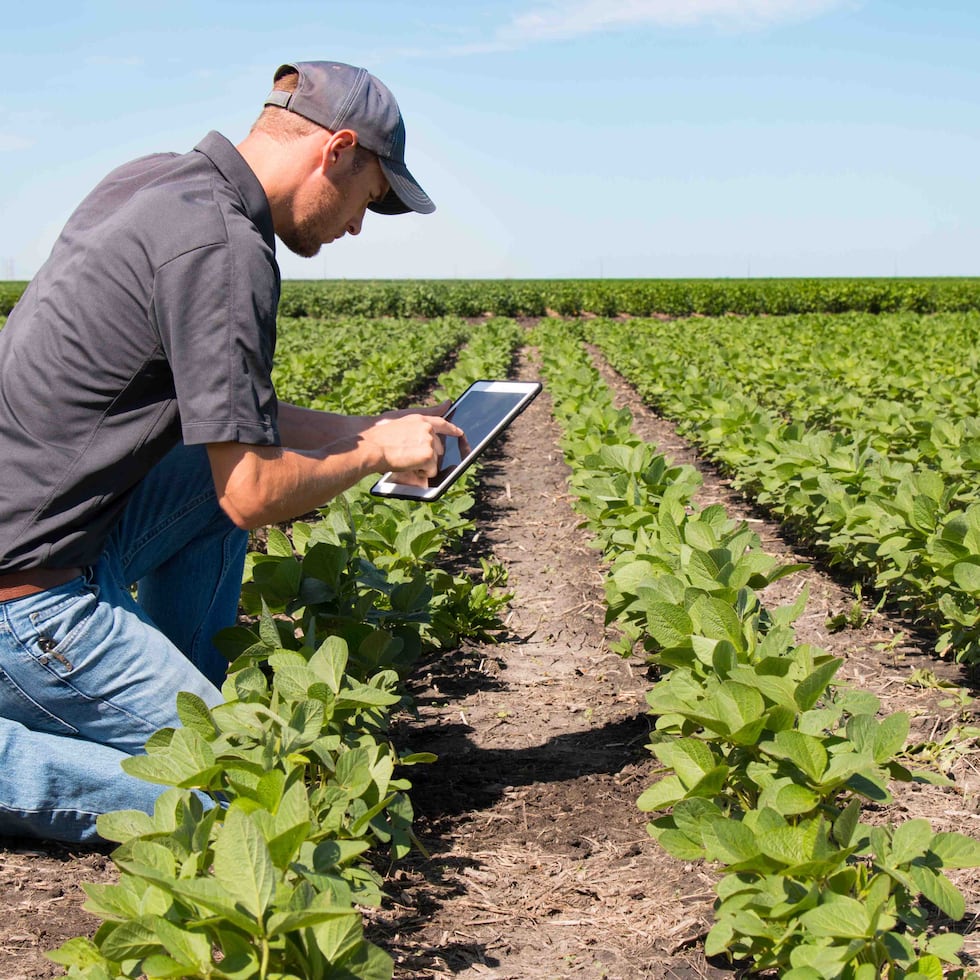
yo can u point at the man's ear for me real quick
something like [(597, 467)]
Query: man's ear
[(338, 148)]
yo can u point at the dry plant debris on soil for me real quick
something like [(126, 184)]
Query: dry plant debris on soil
[(538, 864)]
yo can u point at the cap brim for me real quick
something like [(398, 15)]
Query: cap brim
[(404, 193)]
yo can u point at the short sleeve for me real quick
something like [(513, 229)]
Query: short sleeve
[(215, 310)]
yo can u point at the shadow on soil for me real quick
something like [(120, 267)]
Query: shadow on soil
[(468, 777)]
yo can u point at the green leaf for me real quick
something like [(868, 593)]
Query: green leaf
[(891, 736), (806, 752), (353, 772), (793, 799), (330, 855), (925, 968), (268, 630), (910, 840), (78, 952), (812, 687), (690, 758), (946, 945), (668, 624), (363, 695), (829, 961), (305, 724), (629, 576), (132, 940), (242, 863), (956, 850), (278, 544), (190, 949), (719, 938), (118, 902), (194, 713), (208, 893), (883, 740), (966, 574), (729, 841), (676, 843), (124, 825), (847, 824), (188, 761), (411, 596), (157, 966), (939, 890), (281, 922), (718, 620), (843, 918), (739, 708), (326, 562), (661, 795), (369, 962), (338, 936), (330, 662), (788, 845)]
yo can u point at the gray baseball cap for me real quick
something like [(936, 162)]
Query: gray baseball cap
[(338, 96)]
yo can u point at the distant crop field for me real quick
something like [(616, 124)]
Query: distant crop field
[(610, 297)]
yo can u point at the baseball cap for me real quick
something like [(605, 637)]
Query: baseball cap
[(338, 96)]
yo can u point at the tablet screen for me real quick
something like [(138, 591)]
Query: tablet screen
[(482, 412)]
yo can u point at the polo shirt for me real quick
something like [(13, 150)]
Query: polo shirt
[(152, 321)]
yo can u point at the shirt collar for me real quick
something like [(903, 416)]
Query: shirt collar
[(232, 166)]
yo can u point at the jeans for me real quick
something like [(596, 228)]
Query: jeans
[(88, 672)]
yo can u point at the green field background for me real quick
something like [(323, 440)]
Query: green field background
[(611, 297)]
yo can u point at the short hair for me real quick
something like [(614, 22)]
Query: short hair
[(280, 124), (284, 126)]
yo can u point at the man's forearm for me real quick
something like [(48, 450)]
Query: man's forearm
[(263, 485), (306, 428)]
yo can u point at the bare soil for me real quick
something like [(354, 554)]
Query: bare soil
[(538, 863)]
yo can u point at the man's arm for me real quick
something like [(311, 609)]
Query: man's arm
[(260, 485), (307, 428)]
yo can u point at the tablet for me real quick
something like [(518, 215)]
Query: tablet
[(483, 411)]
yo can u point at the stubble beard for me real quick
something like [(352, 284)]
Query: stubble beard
[(313, 226), (303, 239)]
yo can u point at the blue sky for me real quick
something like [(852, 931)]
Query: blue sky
[(558, 138)]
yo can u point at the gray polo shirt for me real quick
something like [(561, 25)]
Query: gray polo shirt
[(153, 320)]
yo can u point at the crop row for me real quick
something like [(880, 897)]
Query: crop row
[(639, 297), (896, 376), (766, 763), (282, 800), (374, 358), (609, 297), (887, 488)]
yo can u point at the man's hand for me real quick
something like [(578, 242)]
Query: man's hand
[(412, 442)]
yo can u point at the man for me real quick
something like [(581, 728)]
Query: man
[(140, 435)]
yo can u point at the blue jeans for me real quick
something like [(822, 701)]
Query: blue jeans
[(88, 672)]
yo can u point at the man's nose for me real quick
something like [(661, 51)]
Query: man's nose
[(354, 225)]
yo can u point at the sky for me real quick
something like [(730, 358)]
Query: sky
[(558, 138)]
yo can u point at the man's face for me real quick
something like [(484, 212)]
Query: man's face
[(333, 206)]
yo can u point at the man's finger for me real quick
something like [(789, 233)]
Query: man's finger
[(444, 428)]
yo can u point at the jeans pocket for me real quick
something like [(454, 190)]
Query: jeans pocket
[(56, 628)]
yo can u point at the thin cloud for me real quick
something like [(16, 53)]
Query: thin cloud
[(563, 19)]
